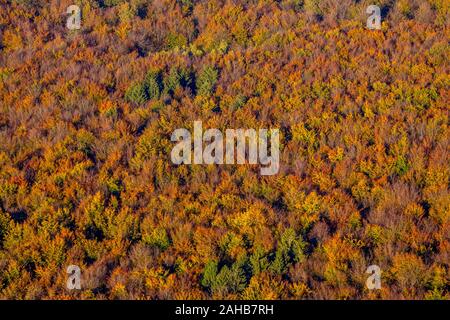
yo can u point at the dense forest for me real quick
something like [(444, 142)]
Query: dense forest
[(86, 179)]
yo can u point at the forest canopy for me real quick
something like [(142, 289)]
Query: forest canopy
[(86, 179)]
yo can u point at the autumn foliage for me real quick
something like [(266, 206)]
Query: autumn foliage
[(85, 171)]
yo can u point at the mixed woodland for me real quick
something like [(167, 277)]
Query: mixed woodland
[(86, 179)]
